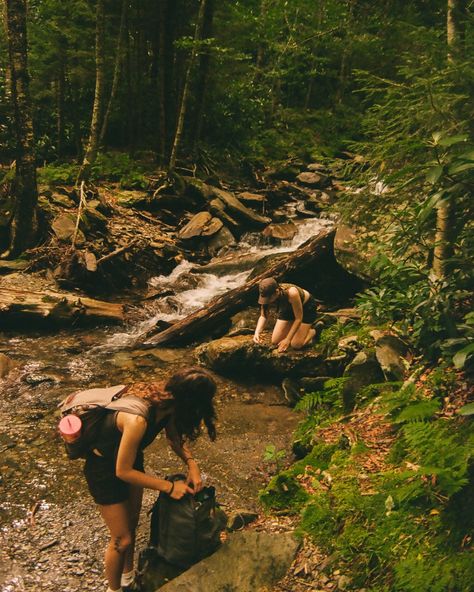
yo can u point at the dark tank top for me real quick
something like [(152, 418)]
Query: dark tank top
[(284, 307), (109, 438)]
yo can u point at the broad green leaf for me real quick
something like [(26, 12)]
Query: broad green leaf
[(458, 168), (460, 358), (434, 173), (466, 409), (451, 140)]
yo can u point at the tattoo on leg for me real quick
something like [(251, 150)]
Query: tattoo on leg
[(117, 542)]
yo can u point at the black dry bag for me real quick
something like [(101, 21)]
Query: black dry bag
[(187, 530)]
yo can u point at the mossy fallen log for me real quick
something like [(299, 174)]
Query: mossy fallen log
[(19, 307)]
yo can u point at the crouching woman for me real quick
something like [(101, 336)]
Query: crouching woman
[(114, 469)]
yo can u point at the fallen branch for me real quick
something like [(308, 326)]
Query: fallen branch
[(117, 252)]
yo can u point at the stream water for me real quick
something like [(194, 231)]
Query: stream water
[(51, 538)]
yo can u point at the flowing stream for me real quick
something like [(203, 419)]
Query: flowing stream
[(45, 512)]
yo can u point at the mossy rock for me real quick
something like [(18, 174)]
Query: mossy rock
[(284, 493)]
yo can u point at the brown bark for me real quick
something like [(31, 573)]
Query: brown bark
[(445, 215), (54, 307), (60, 99), (203, 73), (23, 228), (97, 109), (196, 325), (117, 71), (187, 87)]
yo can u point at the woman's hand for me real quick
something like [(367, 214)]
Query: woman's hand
[(194, 477), (180, 489), (257, 337), (284, 345)]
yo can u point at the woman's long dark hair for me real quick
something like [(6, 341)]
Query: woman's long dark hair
[(193, 390)]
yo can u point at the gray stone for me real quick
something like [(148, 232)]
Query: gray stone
[(362, 371), (223, 238), (196, 226), (390, 351), (312, 179), (64, 226), (217, 207), (247, 562)]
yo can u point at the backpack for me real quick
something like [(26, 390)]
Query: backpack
[(187, 530), (91, 406)]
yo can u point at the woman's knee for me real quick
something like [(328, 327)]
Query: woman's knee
[(297, 343), (121, 543)]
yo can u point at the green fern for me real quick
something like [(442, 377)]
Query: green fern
[(417, 411)]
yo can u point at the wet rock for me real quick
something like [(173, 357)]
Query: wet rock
[(93, 219), (223, 238), (362, 371), (247, 562), (217, 207), (236, 355), (6, 365), (304, 213), (311, 179), (34, 379), (238, 519), (237, 209), (349, 344), (198, 190), (244, 322), (280, 231)]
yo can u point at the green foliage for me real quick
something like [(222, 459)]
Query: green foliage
[(58, 174), (329, 397), (272, 455), (283, 493)]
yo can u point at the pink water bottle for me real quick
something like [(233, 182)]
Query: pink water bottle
[(70, 428)]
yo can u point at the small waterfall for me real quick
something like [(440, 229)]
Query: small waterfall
[(188, 288)]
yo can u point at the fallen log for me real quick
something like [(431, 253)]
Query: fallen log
[(195, 326), (22, 306)]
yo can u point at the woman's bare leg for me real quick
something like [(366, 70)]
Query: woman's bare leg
[(280, 331), (135, 505), (117, 519), (303, 336)]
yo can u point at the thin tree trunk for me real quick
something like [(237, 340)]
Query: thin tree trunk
[(129, 100), (204, 71), (60, 100), (117, 71), (162, 82), (23, 228), (97, 109), (187, 87), (445, 215)]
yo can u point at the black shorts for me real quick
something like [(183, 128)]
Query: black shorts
[(105, 487), (309, 312)]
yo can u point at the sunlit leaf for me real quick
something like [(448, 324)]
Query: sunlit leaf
[(451, 140)]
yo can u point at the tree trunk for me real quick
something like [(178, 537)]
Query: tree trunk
[(51, 308), (445, 215), (187, 86), (204, 71), (117, 71), (97, 109), (60, 99), (162, 82), (23, 228), (195, 326)]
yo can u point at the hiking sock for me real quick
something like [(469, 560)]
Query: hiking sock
[(127, 578)]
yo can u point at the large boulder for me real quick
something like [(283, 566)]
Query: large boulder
[(238, 210), (390, 352), (238, 356), (248, 562), (351, 254), (361, 372)]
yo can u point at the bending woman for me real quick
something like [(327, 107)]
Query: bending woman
[(114, 469), (296, 311)]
